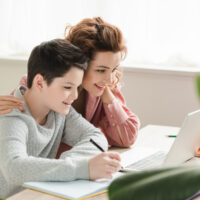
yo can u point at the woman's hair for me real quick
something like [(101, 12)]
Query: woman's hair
[(94, 35)]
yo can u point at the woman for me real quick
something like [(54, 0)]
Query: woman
[(100, 100)]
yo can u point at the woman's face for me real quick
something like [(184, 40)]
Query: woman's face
[(100, 72)]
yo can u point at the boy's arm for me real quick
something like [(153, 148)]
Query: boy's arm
[(18, 167), (77, 134)]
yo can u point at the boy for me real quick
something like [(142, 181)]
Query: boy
[(29, 141)]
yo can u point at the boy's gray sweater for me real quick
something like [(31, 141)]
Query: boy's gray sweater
[(27, 149)]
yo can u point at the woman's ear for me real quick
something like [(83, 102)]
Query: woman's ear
[(39, 82)]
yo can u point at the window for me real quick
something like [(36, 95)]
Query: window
[(157, 32)]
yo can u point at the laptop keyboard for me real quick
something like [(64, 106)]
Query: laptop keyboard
[(152, 161)]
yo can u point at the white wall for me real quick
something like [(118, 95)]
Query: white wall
[(157, 96), (11, 70), (161, 96)]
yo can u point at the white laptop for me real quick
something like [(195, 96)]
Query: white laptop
[(183, 149)]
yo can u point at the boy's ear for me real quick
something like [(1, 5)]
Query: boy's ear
[(39, 82)]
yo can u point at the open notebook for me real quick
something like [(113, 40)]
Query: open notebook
[(78, 189)]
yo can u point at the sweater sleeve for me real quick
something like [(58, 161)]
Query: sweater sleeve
[(78, 132), (119, 124), (18, 167)]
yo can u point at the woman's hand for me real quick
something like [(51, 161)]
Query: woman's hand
[(107, 96), (103, 165), (8, 102)]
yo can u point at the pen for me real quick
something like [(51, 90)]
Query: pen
[(102, 150), (95, 144), (171, 135)]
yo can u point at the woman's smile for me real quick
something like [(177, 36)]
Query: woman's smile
[(100, 87)]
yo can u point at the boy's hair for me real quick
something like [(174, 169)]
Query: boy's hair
[(53, 59)]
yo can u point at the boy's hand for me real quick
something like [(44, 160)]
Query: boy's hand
[(103, 165), (8, 102)]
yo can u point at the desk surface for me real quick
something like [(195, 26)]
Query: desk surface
[(149, 136)]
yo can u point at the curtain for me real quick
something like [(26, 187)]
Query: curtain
[(157, 32)]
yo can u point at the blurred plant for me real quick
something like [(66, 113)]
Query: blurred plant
[(174, 183), (198, 85)]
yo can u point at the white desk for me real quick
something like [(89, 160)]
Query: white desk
[(149, 136)]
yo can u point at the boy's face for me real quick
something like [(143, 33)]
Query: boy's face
[(60, 94)]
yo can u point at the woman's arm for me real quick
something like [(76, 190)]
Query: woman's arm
[(9, 102), (119, 124)]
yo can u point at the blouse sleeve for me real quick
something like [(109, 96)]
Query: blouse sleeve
[(119, 124)]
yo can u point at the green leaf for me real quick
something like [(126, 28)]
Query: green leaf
[(198, 85), (175, 183)]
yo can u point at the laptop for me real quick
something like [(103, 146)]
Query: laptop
[(183, 149)]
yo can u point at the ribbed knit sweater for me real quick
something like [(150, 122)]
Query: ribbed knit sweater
[(27, 149)]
